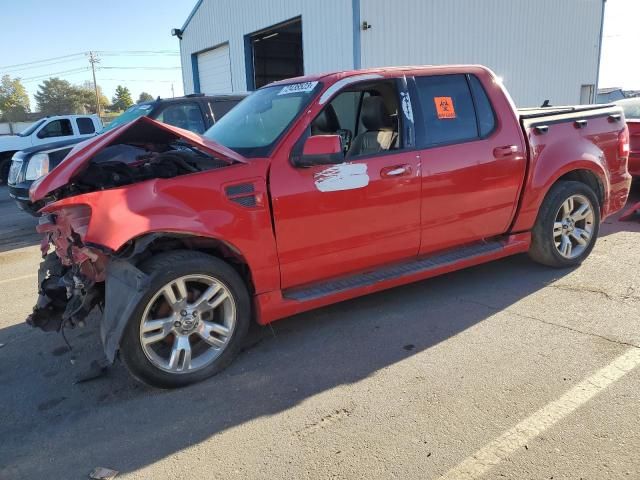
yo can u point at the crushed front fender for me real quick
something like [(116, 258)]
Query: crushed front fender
[(125, 287)]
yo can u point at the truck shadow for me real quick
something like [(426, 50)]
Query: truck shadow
[(62, 430)]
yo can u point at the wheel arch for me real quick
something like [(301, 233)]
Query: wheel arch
[(146, 245), (587, 172)]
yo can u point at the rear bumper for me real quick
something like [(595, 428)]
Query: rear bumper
[(618, 194)]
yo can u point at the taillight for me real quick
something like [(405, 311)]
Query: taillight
[(623, 142)]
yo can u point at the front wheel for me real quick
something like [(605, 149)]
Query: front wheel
[(190, 323), (567, 226)]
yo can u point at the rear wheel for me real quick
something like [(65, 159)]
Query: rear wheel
[(190, 324), (567, 225)]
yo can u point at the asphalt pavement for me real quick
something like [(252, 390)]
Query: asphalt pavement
[(504, 371)]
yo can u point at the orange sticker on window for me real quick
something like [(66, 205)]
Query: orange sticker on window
[(444, 107)]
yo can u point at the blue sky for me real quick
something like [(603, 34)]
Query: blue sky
[(619, 65), (41, 29)]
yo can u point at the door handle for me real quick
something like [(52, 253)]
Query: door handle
[(395, 171), (506, 151)]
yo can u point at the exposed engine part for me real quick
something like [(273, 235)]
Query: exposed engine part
[(124, 164), (65, 296)]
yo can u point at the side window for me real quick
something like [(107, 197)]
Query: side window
[(447, 107), (221, 108), (56, 128), (484, 112), (183, 115), (85, 126), (346, 107), (365, 117)]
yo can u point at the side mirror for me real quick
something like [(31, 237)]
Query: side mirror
[(321, 150)]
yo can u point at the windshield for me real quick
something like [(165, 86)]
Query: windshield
[(631, 108), (31, 128), (254, 126), (129, 114)]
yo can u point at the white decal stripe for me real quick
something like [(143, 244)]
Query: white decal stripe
[(345, 176)]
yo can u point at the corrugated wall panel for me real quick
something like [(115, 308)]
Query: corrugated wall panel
[(544, 49), (327, 32)]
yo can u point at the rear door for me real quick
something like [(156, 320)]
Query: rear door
[(473, 162), (331, 220)]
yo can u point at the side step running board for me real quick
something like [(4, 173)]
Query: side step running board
[(419, 265)]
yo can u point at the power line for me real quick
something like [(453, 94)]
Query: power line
[(43, 65), (47, 62), (140, 68), (42, 61), (134, 80), (138, 52), (53, 74)]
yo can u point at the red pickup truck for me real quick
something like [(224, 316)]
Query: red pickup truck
[(309, 192)]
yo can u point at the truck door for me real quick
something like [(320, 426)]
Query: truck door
[(53, 130), (331, 220), (473, 163)]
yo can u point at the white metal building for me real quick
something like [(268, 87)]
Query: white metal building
[(543, 49)]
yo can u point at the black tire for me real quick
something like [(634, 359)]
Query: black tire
[(163, 268), (543, 247)]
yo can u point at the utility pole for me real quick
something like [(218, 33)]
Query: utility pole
[(173, 94), (93, 59)]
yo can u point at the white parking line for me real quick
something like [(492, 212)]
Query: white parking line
[(493, 453), (15, 279)]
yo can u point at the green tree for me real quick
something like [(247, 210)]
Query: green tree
[(58, 97), (14, 101), (88, 95), (144, 97), (122, 99)]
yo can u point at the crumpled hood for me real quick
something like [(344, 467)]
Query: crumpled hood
[(140, 131)]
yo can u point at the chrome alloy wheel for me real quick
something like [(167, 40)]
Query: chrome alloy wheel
[(573, 226), (187, 324)]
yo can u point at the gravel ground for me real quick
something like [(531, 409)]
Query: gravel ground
[(482, 370)]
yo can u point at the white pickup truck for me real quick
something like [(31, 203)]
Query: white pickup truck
[(46, 130)]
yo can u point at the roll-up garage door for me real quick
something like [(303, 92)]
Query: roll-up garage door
[(214, 70)]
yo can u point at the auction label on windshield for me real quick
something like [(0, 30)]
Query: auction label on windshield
[(304, 87)]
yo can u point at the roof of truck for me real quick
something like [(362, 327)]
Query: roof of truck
[(383, 72)]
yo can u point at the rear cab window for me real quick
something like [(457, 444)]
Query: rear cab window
[(455, 109), (85, 125)]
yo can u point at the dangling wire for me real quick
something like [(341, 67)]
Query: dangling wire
[(65, 337)]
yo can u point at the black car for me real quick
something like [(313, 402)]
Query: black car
[(195, 112)]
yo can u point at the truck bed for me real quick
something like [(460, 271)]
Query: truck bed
[(570, 111)]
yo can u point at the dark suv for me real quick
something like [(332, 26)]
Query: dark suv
[(195, 112)]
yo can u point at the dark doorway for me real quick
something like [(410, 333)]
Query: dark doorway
[(275, 54)]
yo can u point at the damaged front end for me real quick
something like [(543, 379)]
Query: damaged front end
[(80, 273), (70, 279)]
